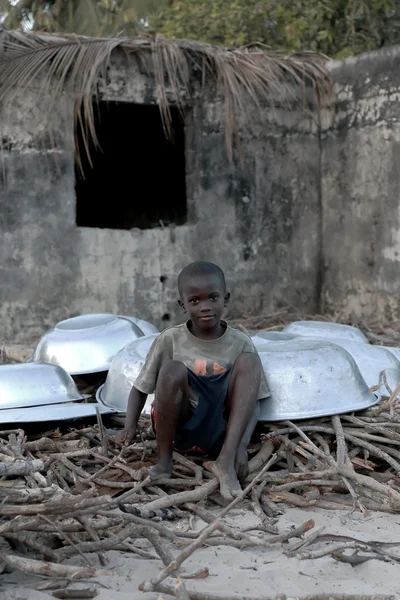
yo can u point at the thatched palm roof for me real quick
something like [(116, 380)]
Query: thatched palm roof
[(244, 77)]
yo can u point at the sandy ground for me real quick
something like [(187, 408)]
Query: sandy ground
[(251, 572)]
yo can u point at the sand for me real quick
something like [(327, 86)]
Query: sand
[(251, 572)]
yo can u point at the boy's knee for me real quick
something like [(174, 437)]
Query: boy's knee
[(248, 362), (173, 371)]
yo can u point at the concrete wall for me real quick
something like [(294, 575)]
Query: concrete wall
[(262, 224), (361, 188)]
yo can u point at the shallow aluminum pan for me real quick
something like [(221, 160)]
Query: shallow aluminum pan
[(146, 327), (309, 378), (371, 361), (35, 384), (326, 331), (123, 373), (262, 338), (86, 344), (55, 412), (393, 350)]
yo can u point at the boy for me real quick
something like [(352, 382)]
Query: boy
[(207, 379)]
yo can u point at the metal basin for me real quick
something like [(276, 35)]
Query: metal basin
[(326, 331), (393, 350), (309, 378), (371, 361), (35, 384), (86, 344), (262, 338), (146, 327), (122, 375), (55, 413)]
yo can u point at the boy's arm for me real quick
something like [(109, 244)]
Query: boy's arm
[(136, 403)]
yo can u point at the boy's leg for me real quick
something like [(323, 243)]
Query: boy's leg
[(241, 460), (240, 405), (172, 406)]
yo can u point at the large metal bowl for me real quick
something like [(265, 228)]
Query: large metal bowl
[(309, 378), (261, 338), (35, 384), (326, 331), (123, 373), (146, 327), (393, 350), (371, 361), (86, 344), (57, 412)]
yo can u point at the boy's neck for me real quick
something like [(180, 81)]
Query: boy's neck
[(207, 334)]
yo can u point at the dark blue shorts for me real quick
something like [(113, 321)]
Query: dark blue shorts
[(205, 430)]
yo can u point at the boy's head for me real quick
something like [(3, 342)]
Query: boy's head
[(203, 293)]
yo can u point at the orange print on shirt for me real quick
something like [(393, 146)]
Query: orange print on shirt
[(200, 367)]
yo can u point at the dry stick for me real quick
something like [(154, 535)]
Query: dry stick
[(149, 586), (131, 530), (258, 511), (342, 459), (36, 526), (140, 521), (66, 537), (102, 433), (208, 517), (299, 484), (351, 438), (323, 443), (180, 590), (133, 491), (21, 467), (372, 484), (95, 537), (38, 567), (182, 460), (182, 497), (392, 399), (63, 508), (262, 456), (34, 544), (28, 495), (303, 543), (335, 548), (195, 595), (341, 451)]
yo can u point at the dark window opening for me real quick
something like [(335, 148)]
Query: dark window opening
[(137, 176)]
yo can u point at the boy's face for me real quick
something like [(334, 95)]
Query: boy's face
[(203, 299)]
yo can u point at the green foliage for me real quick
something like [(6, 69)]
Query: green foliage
[(333, 27), (95, 18)]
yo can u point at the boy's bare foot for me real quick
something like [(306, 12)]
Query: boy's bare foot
[(161, 470), (228, 482)]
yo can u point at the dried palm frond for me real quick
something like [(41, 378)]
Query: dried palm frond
[(245, 79)]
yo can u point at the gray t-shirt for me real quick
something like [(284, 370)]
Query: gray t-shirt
[(203, 357)]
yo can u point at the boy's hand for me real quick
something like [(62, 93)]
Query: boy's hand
[(126, 436)]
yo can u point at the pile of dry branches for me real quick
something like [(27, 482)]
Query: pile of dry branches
[(78, 493)]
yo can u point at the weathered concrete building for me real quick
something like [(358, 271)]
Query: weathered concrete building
[(309, 218), (360, 189), (115, 240)]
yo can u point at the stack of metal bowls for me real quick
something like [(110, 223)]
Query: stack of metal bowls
[(123, 373), (309, 378)]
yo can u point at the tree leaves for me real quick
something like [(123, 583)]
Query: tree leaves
[(332, 27)]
